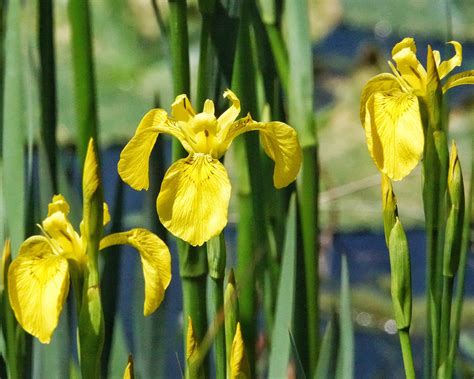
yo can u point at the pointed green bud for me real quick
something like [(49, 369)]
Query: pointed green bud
[(400, 276), (91, 330), (455, 207), (389, 207), (129, 372), (216, 256), (193, 359), (231, 314), (239, 365), (434, 93), (6, 260)]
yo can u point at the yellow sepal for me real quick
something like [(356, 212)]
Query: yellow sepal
[(280, 143), (194, 199), (156, 262), (38, 283), (394, 132)]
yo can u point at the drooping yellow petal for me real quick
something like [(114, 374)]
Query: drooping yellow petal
[(38, 282), (194, 198), (394, 132), (446, 67), (228, 117), (381, 82), (133, 165), (280, 143), (156, 262), (239, 365), (466, 77), (181, 109)]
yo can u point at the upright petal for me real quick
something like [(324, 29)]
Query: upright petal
[(394, 132), (446, 67), (194, 198), (404, 54), (156, 262), (58, 204), (133, 165), (228, 117), (280, 143), (38, 282), (181, 109)]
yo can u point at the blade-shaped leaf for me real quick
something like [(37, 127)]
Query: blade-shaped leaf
[(345, 357), (280, 352), (329, 347)]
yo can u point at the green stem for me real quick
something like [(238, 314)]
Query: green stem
[(280, 54), (48, 86), (204, 61), (217, 286), (308, 193), (445, 324), (434, 188), (179, 46), (251, 191), (194, 306), (461, 275), (84, 81), (192, 262), (407, 353)]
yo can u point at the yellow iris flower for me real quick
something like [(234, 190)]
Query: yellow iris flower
[(38, 279), (390, 110), (194, 196)]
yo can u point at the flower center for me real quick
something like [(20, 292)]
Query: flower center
[(203, 129)]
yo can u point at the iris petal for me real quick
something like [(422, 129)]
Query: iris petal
[(133, 165), (229, 116), (58, 204), (280, 143), (394, 132), (38, 282), (156, 262), (381, 82), (181, 109), (466, 77), (412, 71), (194, 198), (446, 67)]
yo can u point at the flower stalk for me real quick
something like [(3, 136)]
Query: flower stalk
[(400, 273)]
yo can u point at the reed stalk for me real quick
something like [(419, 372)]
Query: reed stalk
[(192, 261), (84, 77), (251, 190), (48, 87)]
